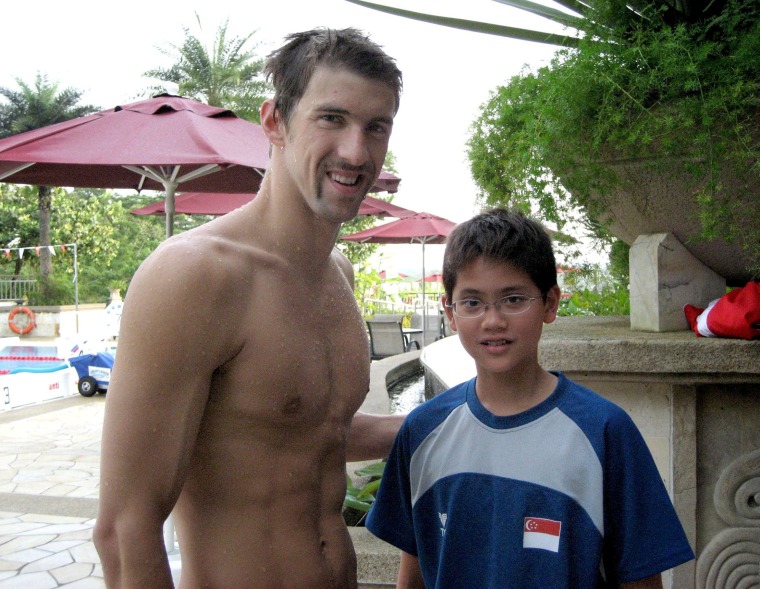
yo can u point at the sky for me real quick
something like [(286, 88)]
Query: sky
[(104, 48)]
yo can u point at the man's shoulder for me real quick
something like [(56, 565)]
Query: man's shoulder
[(343, 263)]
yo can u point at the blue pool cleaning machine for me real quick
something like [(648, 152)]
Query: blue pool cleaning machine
[(94, 371)]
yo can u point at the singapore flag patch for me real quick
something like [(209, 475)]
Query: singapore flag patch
[(541, 533)]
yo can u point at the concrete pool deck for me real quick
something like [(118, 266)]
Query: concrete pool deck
[(49, 477)]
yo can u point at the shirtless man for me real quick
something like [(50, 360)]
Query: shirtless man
[(243, 359)]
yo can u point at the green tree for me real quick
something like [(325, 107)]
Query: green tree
[(111, 262), (111, 243), (19, 224), (226, 75), (30, 108)]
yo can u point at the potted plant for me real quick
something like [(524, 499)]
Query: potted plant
[(648, 126)]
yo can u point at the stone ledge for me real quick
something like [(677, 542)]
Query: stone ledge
[(607, 344)]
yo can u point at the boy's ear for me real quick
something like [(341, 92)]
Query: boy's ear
[(272, 124), (552, 304), (449, 312)]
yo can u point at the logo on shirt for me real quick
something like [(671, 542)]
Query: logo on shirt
[(541, 533), (443, 517)]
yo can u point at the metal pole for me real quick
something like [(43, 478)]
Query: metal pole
[(76, 290), (424, 302)]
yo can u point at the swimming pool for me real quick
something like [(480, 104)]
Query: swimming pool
[(32, 374), (34, 358)]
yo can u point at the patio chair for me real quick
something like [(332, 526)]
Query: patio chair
[(433, 328), (391, 317), (387, 339)]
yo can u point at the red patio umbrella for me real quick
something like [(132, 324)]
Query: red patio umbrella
[(435, 277), (204, 203), (199, 203), (419, 228), (157, 144), (380, 208)]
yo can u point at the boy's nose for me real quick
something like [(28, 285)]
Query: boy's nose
[(492, 315)]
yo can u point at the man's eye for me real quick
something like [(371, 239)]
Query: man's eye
[(378, 128)]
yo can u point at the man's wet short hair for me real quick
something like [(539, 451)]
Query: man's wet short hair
[(291, 67), (501, 235)]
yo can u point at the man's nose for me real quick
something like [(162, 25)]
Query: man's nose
[(354, 147)]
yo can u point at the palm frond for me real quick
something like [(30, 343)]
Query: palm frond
[(488, 28)]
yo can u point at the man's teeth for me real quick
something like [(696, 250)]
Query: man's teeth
[(498, 342), (344, 179)]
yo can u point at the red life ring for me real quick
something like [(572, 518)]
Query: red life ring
[(29, 324)]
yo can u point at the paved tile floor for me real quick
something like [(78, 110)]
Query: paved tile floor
[(49, 475)]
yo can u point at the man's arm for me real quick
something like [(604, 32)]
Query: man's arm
[(156, 400), (371, 436), (653, 582), (409, 573)]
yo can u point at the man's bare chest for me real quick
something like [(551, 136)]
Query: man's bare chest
[(303, 361)]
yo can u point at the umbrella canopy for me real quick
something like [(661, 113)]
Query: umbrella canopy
[(379, 208), (419, 228), (199, 203), (205, 203), (161, 143), (435, 277)]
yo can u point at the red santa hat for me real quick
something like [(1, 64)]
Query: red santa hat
[(735, 314)]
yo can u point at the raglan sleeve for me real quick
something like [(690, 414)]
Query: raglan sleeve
[(390, 517), (642, 533)]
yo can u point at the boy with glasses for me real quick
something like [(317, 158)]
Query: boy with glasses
[(520, 477)]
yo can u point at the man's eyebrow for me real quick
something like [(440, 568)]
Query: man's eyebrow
[(331, 108), (339, 110)]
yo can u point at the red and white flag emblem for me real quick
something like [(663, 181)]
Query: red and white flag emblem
[(541, 533)]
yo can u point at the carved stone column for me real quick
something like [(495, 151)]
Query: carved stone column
[(731, 560)]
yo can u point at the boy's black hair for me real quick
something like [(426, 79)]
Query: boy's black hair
[(291, 67), (500, 235)]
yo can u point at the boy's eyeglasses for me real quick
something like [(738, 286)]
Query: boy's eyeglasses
[(509, 305)]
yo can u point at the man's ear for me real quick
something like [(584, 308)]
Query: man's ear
[(272, 124), (449, 312)]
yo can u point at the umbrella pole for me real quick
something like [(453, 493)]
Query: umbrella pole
[(76, 290), (169, 208), (424, 305)]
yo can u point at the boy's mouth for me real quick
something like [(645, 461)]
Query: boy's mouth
[(495, 342)]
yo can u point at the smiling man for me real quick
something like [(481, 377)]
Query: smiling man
[(243, 359)]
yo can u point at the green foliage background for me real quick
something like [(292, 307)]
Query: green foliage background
[(680, 94)]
